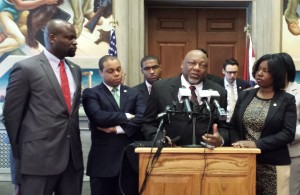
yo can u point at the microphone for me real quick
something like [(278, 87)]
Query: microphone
[(221, 112), (183, 95), (163, 114), (204, 99)]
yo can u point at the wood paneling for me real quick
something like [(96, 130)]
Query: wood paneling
[(186, 171), (173, 32)]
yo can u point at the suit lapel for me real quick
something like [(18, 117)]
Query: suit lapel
[(109, 96), (123, 96), (174, 91), (77, 79), (275, 104), (52, 78), (145, 90)]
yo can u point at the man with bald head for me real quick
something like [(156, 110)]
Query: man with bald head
[(41, 115), (165, 93)]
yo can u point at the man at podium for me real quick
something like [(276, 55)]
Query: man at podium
[(181, 112)]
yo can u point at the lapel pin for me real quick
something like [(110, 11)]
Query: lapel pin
[(240, 87), (125, 91), (274, 104)]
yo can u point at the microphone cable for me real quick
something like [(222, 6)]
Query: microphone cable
[(120, 174), (153, 161), (205, 154)]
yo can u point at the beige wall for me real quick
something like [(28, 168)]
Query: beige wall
[(265, 17)]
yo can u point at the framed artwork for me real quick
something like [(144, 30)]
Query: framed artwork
[(291, 32)]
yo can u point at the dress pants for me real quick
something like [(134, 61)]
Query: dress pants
[(69, 182)]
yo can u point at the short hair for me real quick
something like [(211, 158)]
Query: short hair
[(230, 61), (149, 57), (290, 66), (275, 69), (203, 51), (104, 59)]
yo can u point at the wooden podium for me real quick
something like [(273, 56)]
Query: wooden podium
[(200, 171)]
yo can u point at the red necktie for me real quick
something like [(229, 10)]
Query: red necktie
[(194, 96), (65, 84)]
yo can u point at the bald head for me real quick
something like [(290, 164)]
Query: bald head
[(194, 66), (60, 38)]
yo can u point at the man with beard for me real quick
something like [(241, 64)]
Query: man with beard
[(165, 93), (41, 115)]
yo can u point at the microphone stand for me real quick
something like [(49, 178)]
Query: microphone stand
[(193, 145)]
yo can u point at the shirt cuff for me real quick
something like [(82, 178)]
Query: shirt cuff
[(119, 130)]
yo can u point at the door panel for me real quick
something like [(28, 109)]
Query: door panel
[(173, 32)]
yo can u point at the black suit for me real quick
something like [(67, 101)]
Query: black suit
[(164, 93), (278, 129), (143, 90), (105, 157)]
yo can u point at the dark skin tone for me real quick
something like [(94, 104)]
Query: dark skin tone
[(194, 69), (60, 39)]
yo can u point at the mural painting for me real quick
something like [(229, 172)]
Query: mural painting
[(21, 33)]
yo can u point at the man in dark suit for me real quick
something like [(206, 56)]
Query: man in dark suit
[(115, 112), (41, 115), (232, 84), (151, 69), (165, 93)]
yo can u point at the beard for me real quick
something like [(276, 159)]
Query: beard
[(193, 81)]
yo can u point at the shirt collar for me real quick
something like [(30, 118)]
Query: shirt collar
[(53, 60), (187, 84), (110, 88), (227, 84)]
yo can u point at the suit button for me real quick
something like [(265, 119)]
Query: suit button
[(68, 136)]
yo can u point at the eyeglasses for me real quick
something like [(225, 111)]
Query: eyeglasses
[(194, 64), (231, 72), (154, 67)]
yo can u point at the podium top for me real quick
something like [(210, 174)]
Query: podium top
[(218, 150)]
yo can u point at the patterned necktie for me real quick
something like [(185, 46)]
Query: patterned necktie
[(65, 84), (194, 96), (116, 95), (231, 100)]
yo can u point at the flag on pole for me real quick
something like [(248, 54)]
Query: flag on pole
[(249, 61), (113, 44)]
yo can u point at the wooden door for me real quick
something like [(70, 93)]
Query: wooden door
[(172, 32)]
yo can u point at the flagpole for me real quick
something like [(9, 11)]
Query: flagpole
[(246, 59)]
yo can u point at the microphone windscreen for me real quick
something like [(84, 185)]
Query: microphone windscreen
[(184, 92)]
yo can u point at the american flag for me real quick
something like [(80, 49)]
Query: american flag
[(249, 61), (113, 44)]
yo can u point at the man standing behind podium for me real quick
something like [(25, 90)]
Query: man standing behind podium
[(41, 115), (151, 70), (115, 112), (165, 93)]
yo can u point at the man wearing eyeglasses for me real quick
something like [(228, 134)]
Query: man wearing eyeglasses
[(165, 92), (232, 84), (151, 69)]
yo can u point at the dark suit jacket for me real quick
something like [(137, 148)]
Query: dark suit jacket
[(278, 130), (41, 131), (241, 84), (164, 93), (105, 156), (143, 90)]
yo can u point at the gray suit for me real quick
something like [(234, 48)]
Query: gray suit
[(43, 135)]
